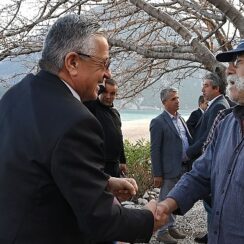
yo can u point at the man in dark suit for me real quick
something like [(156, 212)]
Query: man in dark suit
[(213, 91), (52, 185), (170, 139), (196, 114), (109, 117)]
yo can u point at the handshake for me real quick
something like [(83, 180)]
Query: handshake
[(125, 188), (160, 211)]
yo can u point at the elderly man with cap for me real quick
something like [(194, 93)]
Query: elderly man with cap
[(219, 170)]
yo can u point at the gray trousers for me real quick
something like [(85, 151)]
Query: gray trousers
[(168, 184)]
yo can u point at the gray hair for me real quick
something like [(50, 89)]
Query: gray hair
[(71, 33), (216, 81), (165, 93)]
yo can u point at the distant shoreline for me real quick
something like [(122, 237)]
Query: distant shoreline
[(136, 129)]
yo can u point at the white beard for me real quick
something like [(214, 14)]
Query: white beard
[(240, 88), (240, 84)]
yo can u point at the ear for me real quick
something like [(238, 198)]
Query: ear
[(71, 63), (216, 88)]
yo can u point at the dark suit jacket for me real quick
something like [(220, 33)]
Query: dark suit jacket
[(166, 147), (52, 188), (110, 120), (204, 125), (193, 120)]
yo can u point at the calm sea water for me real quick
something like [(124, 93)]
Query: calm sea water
[(130, 115)]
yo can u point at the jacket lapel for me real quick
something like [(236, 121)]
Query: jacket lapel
[(186, 128), (170, 122)]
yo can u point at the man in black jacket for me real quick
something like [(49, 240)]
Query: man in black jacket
[(52, 185), (196, 114), (109, 117)]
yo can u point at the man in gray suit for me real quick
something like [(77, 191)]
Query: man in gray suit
[(170, 139)]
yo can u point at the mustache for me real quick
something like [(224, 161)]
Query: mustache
[(232, 79)]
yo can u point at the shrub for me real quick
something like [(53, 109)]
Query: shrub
[(139, 164)]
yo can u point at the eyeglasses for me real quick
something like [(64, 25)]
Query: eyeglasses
[(106, 62)]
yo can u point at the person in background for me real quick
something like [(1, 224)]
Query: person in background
[(232, 94), (196, 114), (170, 139), (219, 170), (109, 117), (213, 90), (52, 185)]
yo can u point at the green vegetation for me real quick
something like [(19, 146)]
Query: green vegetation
[(139, 164)]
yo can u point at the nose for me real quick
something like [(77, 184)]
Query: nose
[(107, 74), (230, 70)]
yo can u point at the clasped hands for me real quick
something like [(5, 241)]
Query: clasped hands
[(125, 188), (160, 211)]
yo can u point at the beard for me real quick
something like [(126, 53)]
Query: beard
[(240, 88), (240, 84)]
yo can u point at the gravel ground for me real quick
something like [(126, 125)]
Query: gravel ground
[(192, 224)]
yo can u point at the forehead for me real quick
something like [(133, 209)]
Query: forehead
[(110, 87), (207, 82), (172, 95)]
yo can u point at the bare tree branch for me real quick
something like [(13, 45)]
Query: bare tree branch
[(149, 39), (232, 13)]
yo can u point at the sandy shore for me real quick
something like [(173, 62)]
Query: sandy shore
[(136, 129)]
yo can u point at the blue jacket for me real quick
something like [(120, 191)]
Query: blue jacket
[(220, 171)]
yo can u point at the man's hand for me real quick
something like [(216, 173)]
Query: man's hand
[(165, 208), (158, 181), (122, 188), (160, 213), (122, 169)]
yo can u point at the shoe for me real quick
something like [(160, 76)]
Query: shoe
[(166, 238), (203, 239), (176, 234)]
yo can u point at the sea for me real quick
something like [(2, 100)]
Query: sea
[(133, 114)]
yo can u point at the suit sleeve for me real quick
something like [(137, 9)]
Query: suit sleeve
[(156, 135), (77, 164), (122, 158)]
